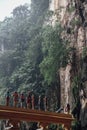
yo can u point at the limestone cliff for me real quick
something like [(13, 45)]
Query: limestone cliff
[(73, 77)]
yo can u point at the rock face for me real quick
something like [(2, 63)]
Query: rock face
[(74, 20), (57, 4), (65, 77)]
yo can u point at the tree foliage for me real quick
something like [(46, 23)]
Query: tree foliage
[(20, 44), (55, 52), (31, 54)]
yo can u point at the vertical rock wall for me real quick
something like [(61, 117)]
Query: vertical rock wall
[(65, 77), (74, 20)]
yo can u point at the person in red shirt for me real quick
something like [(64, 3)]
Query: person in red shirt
[(28, 101), (22, 97), (15, 99)]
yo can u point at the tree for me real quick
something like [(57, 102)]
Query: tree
[(55, 52), (38, 10)]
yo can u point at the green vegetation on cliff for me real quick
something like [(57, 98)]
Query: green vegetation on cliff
[(31, 51)]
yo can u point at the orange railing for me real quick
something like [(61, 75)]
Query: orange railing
[(20, 114)]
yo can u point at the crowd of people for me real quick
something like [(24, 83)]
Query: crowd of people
[(26, 101)]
